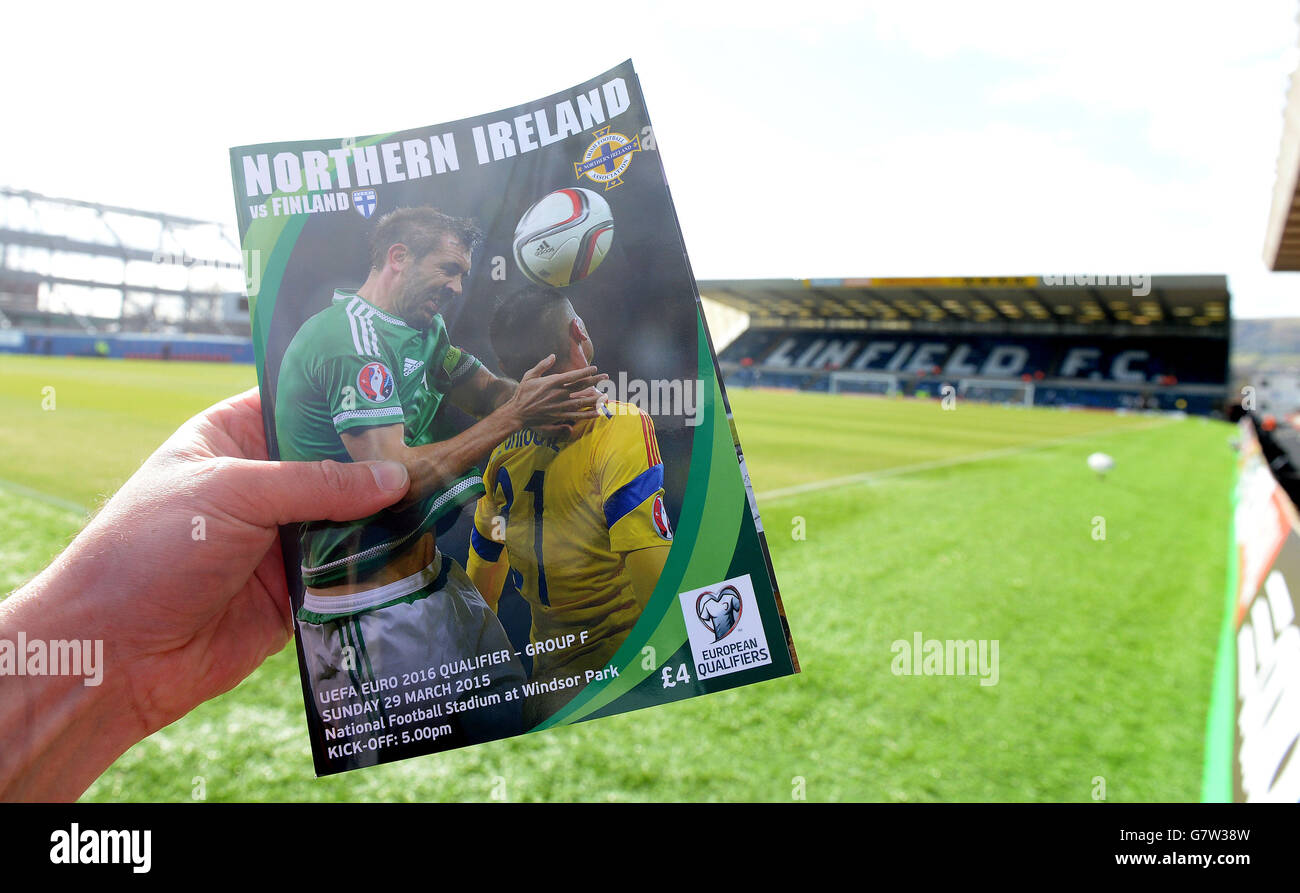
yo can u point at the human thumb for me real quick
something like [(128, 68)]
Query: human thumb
[(289, 492)]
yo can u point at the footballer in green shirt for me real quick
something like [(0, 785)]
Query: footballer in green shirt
[(365, 379)]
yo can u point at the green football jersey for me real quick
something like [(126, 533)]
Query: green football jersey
[(354, 366)]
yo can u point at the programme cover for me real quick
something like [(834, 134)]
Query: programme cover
[(401, 284)]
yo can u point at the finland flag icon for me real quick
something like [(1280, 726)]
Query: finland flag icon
[(364, 200)]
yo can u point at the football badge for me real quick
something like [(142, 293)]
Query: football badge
[(606, 160), (364, 200), (660, 516), (375, 382), (720, 612), (725, 631)]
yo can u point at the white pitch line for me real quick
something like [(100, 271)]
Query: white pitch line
[(896, 471), (66, 505)]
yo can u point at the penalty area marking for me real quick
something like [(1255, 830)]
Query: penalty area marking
[(865, 477), (66, 505)]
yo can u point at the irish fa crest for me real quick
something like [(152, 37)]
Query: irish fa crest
[(606, 160), (364, 200)]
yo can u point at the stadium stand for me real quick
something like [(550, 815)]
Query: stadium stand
[(1103, 342), (79, 278)]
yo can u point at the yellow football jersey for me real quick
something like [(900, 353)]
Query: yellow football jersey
[(571, 509)]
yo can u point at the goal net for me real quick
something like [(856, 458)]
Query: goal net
[(994, 390), (883, 383)]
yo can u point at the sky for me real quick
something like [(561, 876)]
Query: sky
[(799, 139)]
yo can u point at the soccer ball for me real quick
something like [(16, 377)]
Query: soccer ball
[(564, 236), (1100, 463)]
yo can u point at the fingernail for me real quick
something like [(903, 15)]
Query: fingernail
[(389, 475)]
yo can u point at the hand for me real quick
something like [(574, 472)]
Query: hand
[(554, 403), (562, 430), (181, 576)]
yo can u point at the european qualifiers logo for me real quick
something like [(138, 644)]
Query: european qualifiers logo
[(365, 200), (724, 637), (721, 612), (608, 158)]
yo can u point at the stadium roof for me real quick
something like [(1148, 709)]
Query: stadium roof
[(1282, 240), (1179, 302), (98, 264)]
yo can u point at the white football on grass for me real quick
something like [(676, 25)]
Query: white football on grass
[(1100, 463)]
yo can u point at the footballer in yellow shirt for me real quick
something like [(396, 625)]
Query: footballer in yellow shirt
[(577, 515)]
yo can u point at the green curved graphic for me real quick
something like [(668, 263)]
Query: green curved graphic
[(276, 236), (711, 521)]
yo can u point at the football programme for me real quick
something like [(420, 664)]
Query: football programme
[(438, 295), (860, 499)]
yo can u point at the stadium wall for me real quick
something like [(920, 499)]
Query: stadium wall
[(1103, 371), (1252, 751), (131, 346)]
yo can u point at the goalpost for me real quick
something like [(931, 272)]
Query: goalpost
[(997, 390), (883, 383), (887, 384)]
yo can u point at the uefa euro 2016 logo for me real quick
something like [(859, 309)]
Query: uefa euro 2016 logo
[(660, 516), (721, 612), (606, 160), (375, 382)]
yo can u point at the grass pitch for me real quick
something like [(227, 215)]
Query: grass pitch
[(886, 518)]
